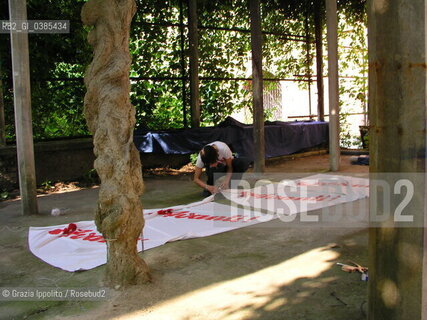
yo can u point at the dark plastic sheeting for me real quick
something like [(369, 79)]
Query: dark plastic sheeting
[(281, 138)]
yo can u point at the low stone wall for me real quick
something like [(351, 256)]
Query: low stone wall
[(55, 161), (65, 160)]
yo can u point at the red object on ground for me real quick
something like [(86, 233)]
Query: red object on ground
[(70, 229)]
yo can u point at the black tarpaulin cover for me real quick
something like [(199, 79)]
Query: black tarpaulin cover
[(281, 138)]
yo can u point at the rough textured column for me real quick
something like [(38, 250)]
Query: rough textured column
[(23, 117), (111, 119), (397, 98), (334, 111), (257, 86), (193, 36)]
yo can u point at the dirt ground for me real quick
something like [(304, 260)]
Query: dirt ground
[(268, 271)]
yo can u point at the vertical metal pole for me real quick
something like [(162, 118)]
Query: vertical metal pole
[(257, 86), (194, 63), (22, 102), (184, 92), (334, 125)]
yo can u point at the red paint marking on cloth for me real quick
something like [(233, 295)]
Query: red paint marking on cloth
[(86, 235), (277, 197), (190, 215), (342, 184)]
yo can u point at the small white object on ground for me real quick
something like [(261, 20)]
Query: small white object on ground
[(58, 211)]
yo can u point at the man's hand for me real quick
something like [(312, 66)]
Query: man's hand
[(212, 189), (224, 186)]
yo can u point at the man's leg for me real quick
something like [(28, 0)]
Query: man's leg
[(214, 173), (240, 166), (210, 175)]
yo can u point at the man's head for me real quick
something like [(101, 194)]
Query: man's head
[(209, 155)]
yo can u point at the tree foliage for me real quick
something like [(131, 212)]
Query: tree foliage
[(57, 104), (160, 63)]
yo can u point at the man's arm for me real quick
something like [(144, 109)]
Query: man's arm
[(201, 184)]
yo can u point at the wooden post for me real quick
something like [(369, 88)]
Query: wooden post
[(2, 122), (257, 86), (308, 39), (22, 102), (397, 108), (182, 42), (193, 35), (318, 27), (334, 122)]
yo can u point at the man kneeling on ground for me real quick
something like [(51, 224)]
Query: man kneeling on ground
[(216, 158)]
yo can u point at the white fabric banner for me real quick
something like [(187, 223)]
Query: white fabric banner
[(80, 246), (85, 248), (290, 197)]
